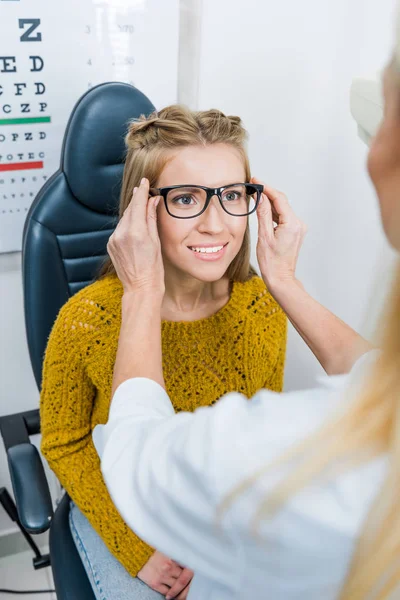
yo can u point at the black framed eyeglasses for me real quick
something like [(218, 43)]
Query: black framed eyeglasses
[(189, 201)]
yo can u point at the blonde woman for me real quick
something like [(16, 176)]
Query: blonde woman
[(292, 497), (221, 331)]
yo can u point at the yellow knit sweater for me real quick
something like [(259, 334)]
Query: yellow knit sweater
[(240, 348)]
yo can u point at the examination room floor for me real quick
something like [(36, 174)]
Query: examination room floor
[(17, 573)]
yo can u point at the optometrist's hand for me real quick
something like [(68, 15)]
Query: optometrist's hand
[(162, 574), (135, 248), (278, 245)]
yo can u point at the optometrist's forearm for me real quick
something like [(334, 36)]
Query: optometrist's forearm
[(139, 351), (336, 345)]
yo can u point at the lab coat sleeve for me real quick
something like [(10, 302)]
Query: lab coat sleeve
[(159, 468)]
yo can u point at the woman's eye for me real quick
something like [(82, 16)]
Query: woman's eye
[(230, 196), (185, 200)]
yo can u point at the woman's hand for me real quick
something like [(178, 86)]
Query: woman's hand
[(278, 246), (180, 590), (164, 575), (134, 247)]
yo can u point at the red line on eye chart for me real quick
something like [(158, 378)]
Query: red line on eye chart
[(22, 166)]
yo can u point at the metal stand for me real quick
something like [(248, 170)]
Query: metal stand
[(40, 560)]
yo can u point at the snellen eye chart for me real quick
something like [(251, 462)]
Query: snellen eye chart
[(53, 52)]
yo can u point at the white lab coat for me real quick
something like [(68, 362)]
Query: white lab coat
[(167, 475)]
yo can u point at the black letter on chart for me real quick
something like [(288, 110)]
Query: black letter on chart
[(18, 86), (7, 63), (40, 88), (34, 67), (34, 23)]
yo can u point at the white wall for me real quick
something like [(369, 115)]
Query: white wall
[(286, 68)]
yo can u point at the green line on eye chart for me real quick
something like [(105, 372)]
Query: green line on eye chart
[(25, 120)]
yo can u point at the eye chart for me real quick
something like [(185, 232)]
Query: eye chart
[(51, 52)]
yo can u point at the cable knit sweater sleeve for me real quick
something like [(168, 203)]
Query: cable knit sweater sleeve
[(275, 345), (67, 400), (266, 337)]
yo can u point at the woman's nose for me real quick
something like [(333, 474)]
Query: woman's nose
[(212, 219)]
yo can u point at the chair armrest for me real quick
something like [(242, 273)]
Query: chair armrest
[(31, 490), (16, 429)]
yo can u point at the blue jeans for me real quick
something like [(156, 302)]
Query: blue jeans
[(109, 579)]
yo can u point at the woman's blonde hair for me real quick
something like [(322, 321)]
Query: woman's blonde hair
[(150, 143)]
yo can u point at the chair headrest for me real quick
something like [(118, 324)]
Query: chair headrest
[(94, 149)]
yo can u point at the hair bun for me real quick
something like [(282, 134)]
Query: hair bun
[(235, 120), (138, 131), (178, 126), (170, 127)]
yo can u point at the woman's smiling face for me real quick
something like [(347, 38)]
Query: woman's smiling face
[(183, 241)]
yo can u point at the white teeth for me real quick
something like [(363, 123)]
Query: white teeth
[(207, 250)]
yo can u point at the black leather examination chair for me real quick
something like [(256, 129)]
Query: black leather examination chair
[(64, 243)]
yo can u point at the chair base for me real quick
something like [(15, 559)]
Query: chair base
[(40, 560)]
